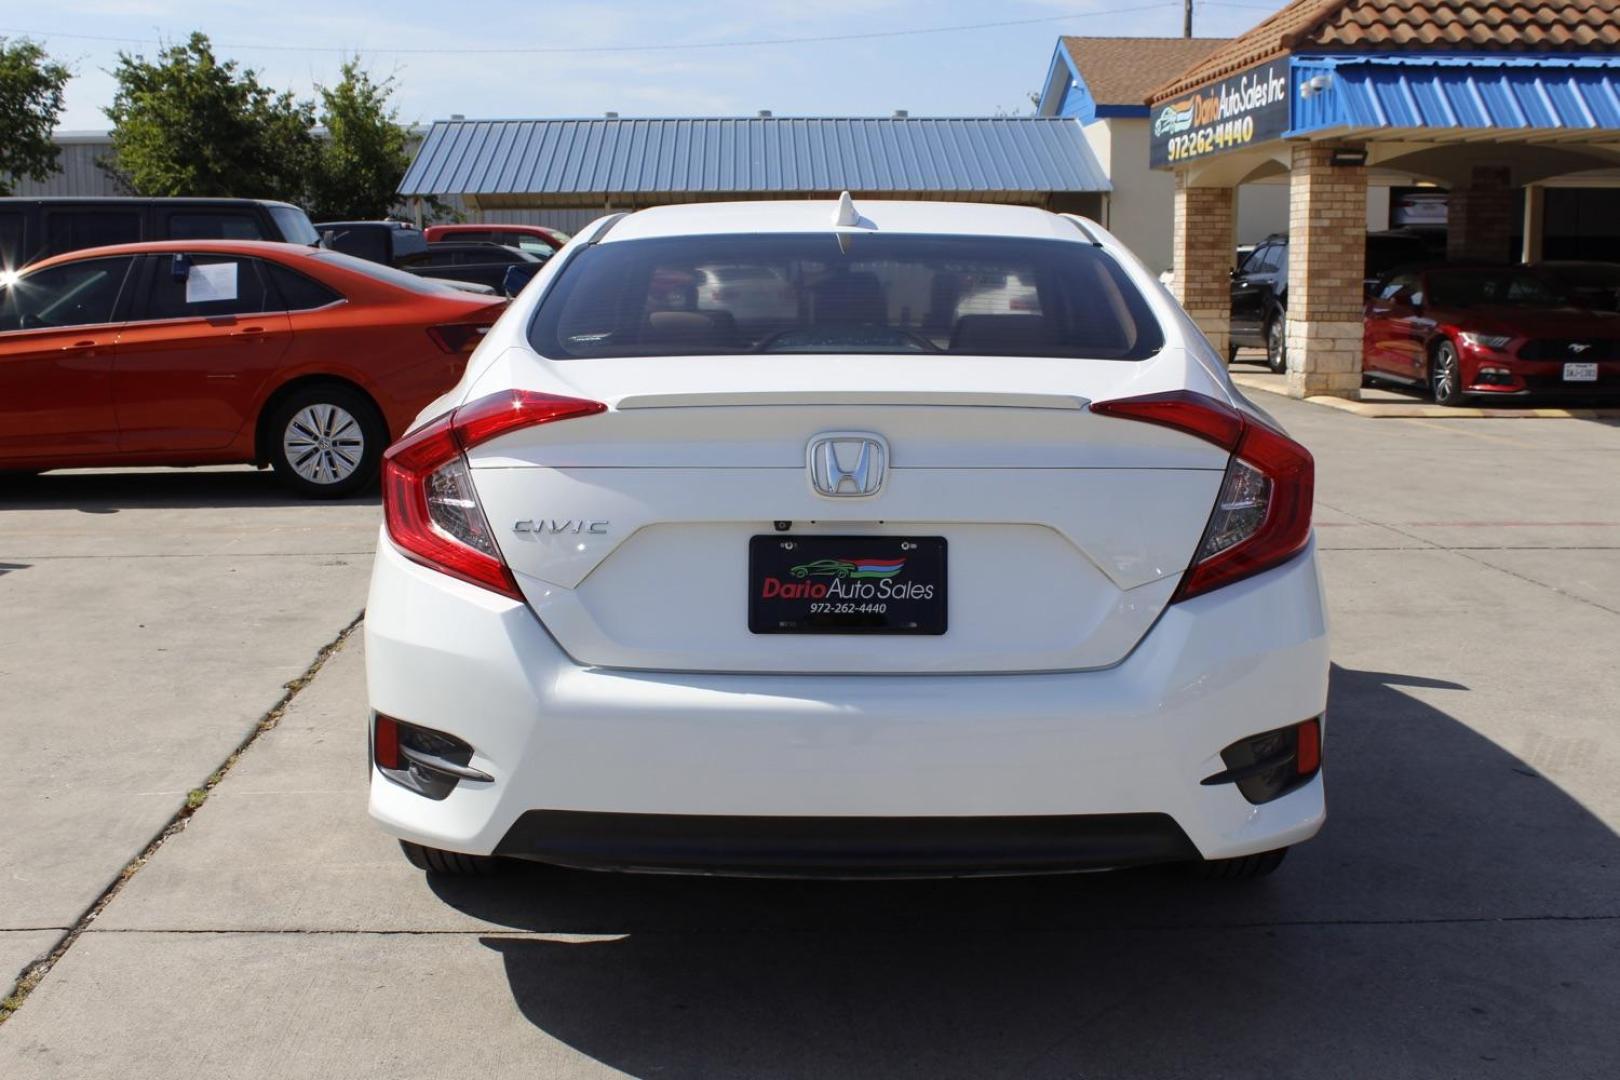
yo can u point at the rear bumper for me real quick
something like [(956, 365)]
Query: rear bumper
[(844, 846), (877, 750)]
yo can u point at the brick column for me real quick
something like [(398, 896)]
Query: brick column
[(1479, 217), (1202, 249), (1327, 249), (1535, 216)]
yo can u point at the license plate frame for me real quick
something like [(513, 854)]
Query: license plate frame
[(813, 584), (1580, 371)]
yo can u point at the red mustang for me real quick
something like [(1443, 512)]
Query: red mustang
[(1488, 331), (217, 352)]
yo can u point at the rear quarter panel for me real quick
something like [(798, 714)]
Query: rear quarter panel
[(383, 348)]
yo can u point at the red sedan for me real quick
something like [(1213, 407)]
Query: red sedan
[(1488, 331), (219, 352)]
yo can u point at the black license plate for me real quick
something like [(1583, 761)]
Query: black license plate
[(846, 584)]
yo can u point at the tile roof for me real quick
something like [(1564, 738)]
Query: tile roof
[(1121, 70), (1440, 25)]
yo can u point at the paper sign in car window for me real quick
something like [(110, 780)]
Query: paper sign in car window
[(210, 283)]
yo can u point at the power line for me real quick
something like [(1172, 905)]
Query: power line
[(666, 47)]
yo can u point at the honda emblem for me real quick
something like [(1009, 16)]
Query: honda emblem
[(847, 464)]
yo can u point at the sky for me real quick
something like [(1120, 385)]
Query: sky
[(507, 58)]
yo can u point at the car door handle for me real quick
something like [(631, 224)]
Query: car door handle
[(80, 346), (248, 331)]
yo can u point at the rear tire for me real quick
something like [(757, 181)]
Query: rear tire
[(1277, 343), (1242, 868), (449, 863), (325, 440)]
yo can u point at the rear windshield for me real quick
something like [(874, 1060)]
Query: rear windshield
[(844, 293), (397, 278)]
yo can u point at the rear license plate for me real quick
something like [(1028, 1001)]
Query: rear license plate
[(1586, 372), (846, 584)]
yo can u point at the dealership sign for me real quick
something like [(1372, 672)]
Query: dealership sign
[(1249, 107)]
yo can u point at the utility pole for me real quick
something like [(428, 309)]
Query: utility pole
[(1186, 18)]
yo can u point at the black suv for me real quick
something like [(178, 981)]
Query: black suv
[(1260, 286), (31, 229)]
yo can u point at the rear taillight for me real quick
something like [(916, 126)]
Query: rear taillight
[(458, 337), (429, 503), (1262, 516)]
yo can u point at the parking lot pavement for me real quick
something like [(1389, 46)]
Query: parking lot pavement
[(19, 948), (1459, 916), (149, 621)]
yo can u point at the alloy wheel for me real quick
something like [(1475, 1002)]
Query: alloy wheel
[(324, 443), (1445, 374), (1277, 345)]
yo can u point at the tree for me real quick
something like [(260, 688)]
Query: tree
[(364, 155), (187, 124), (31, 86)]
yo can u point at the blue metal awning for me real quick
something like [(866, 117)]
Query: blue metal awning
[(1530, 92), (552, 161)]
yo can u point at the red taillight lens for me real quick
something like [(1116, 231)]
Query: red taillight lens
[(493, 416), (1308, 752), (429, 503), (458, 337), (1262, 516), (1185, 411), (385, 741)]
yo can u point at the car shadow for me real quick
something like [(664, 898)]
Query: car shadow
[(1452, 914), (107, 492)]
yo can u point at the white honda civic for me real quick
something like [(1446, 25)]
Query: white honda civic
[(966, 558)]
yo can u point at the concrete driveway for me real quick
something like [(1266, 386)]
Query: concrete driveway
[(1460, 916)]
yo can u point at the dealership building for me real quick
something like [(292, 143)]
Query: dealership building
[(1510, 108)]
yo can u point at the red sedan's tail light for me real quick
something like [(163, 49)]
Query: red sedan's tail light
[(458, 337), (1262, 516), (429, 503)]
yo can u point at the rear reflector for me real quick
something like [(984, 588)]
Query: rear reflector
[(1309, 757), (429, 502), (385, 741), (1262, 515)]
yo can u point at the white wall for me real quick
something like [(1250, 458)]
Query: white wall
[(1262, 209), (77, 172), (1141, 208)]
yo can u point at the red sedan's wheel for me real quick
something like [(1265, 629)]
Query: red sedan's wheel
[(326, 441)]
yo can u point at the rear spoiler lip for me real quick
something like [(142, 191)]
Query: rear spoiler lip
[(936, 398)]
